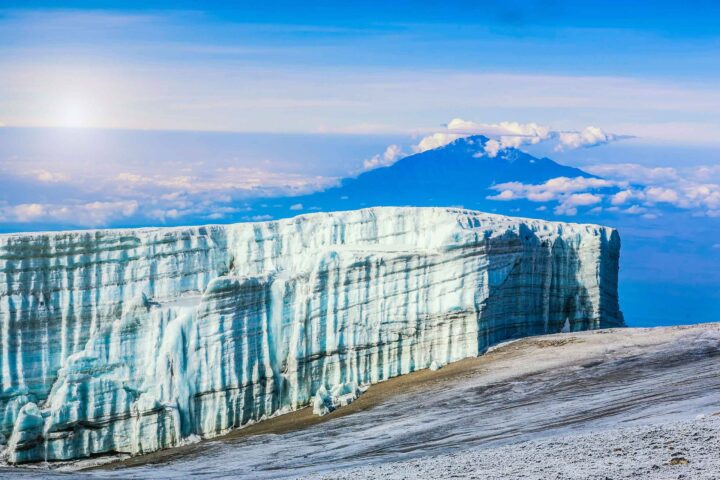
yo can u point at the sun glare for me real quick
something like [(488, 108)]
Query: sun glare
[(73, 112)]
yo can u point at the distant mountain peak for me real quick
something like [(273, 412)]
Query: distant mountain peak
[(459, 173), (473, 142), (475, 146), (472, 145)]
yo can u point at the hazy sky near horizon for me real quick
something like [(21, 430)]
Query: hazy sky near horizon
[(634, 68), (183, 109)]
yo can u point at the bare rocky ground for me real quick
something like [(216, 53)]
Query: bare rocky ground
[(609, 404), (680, 450)]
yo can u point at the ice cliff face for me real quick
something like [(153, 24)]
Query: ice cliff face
[(136, 340)]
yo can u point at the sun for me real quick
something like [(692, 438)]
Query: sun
[(72, 111)]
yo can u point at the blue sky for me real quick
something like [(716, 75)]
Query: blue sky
[(362, 67), (226, 100)]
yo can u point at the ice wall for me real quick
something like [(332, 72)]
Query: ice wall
[(135, 340)]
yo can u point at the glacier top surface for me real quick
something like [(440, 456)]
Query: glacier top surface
[(492, 221)]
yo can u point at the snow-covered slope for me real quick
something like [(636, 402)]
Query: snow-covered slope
[(135, 340)]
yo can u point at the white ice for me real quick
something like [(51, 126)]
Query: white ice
[(137, 340)]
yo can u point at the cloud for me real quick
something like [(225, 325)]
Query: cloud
[(25, 212), (508, 194), (252, 181), (493, 147), (392, 154), (510, 134), (691, 188), (569, 205), (46, 176), (555, 189), (90, 214), (571, 193), (184, 206), (514, 134), (171, 190), (661, 195), (630, 189), (172, 213), (706, 172), (700, 195), (41, 175), (498, 129), (436, 140), (633, 172), (635, 210), (503, 134), (588, 137), (296, 206), (99, 200), (623, 197), (649, 195)]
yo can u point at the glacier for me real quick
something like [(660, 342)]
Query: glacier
[(134, 340)]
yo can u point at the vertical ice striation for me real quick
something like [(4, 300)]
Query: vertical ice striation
[(134, 340)]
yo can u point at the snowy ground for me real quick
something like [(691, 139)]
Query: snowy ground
[(607, 404), (689, 449)]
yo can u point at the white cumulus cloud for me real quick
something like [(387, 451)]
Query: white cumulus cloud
[(392, 154), (587, 137), (637, 190), (554, 189), (570, 193), (436, 140), (691, 188), (569, 205), (493, 147)]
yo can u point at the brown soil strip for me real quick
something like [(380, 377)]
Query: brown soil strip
[(374, 396)]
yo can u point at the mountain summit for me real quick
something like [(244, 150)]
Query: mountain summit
[(460, 173)]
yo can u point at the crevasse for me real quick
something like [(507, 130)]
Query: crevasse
[(134, 340)]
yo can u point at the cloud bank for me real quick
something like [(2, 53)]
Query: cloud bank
[(91, 214), (569, 193), (109, 196), (627, 188)]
